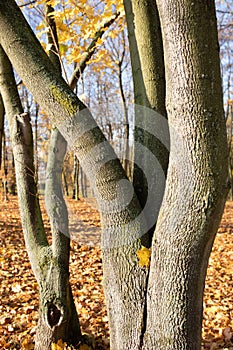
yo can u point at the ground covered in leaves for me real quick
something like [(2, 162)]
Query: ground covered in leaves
[(18, 288)]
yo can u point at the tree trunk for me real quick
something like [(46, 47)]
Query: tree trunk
[(57, 313), (196, 185), (36, 144), (5, 169), (123, 225), (76, 179), (58, 318), (169, 315), (126, 154), (2, 113), (83, 183), (151, 135), (65, 183)]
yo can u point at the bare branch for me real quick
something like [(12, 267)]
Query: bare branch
[(27, 3)]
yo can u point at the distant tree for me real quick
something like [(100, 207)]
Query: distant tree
[(2, 113), (225, 33)]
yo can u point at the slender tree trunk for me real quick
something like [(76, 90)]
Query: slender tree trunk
[(36, 144), (2, 113), (229, 119), (126, 153), (58, 318), (65, 183), (76, 179), (151, 135), (12, 184), (83, 183), (56, 290), (196, 186), (5, 169)]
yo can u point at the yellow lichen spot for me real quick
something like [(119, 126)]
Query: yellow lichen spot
[(65, 100), (144, 255), (60, 345)]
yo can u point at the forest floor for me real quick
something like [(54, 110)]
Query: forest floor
[(18, 288)]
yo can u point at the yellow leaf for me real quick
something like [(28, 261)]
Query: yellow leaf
[(85, 347), (59, 345), (144, 255), (27, 344), (112, 34)]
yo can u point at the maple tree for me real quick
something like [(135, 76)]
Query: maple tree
[(139, 313)]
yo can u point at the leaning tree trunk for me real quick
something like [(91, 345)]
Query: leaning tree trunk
[(124, 279), (196, 185), (58, 318)]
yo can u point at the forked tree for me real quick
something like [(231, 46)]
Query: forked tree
[(157, 306)]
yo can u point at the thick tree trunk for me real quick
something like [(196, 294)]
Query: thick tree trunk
[(196, 186), (123, 225), (197, 177)]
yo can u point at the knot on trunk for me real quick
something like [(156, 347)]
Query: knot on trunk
[(54, 316)]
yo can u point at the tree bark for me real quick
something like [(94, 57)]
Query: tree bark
[(58, 318), (151, 135), (122, 221), (196, 186)]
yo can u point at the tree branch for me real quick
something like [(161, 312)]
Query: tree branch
[(21, 136), (27, 4), (89, 52)]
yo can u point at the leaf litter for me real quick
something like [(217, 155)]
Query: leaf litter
[(19, 291)]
